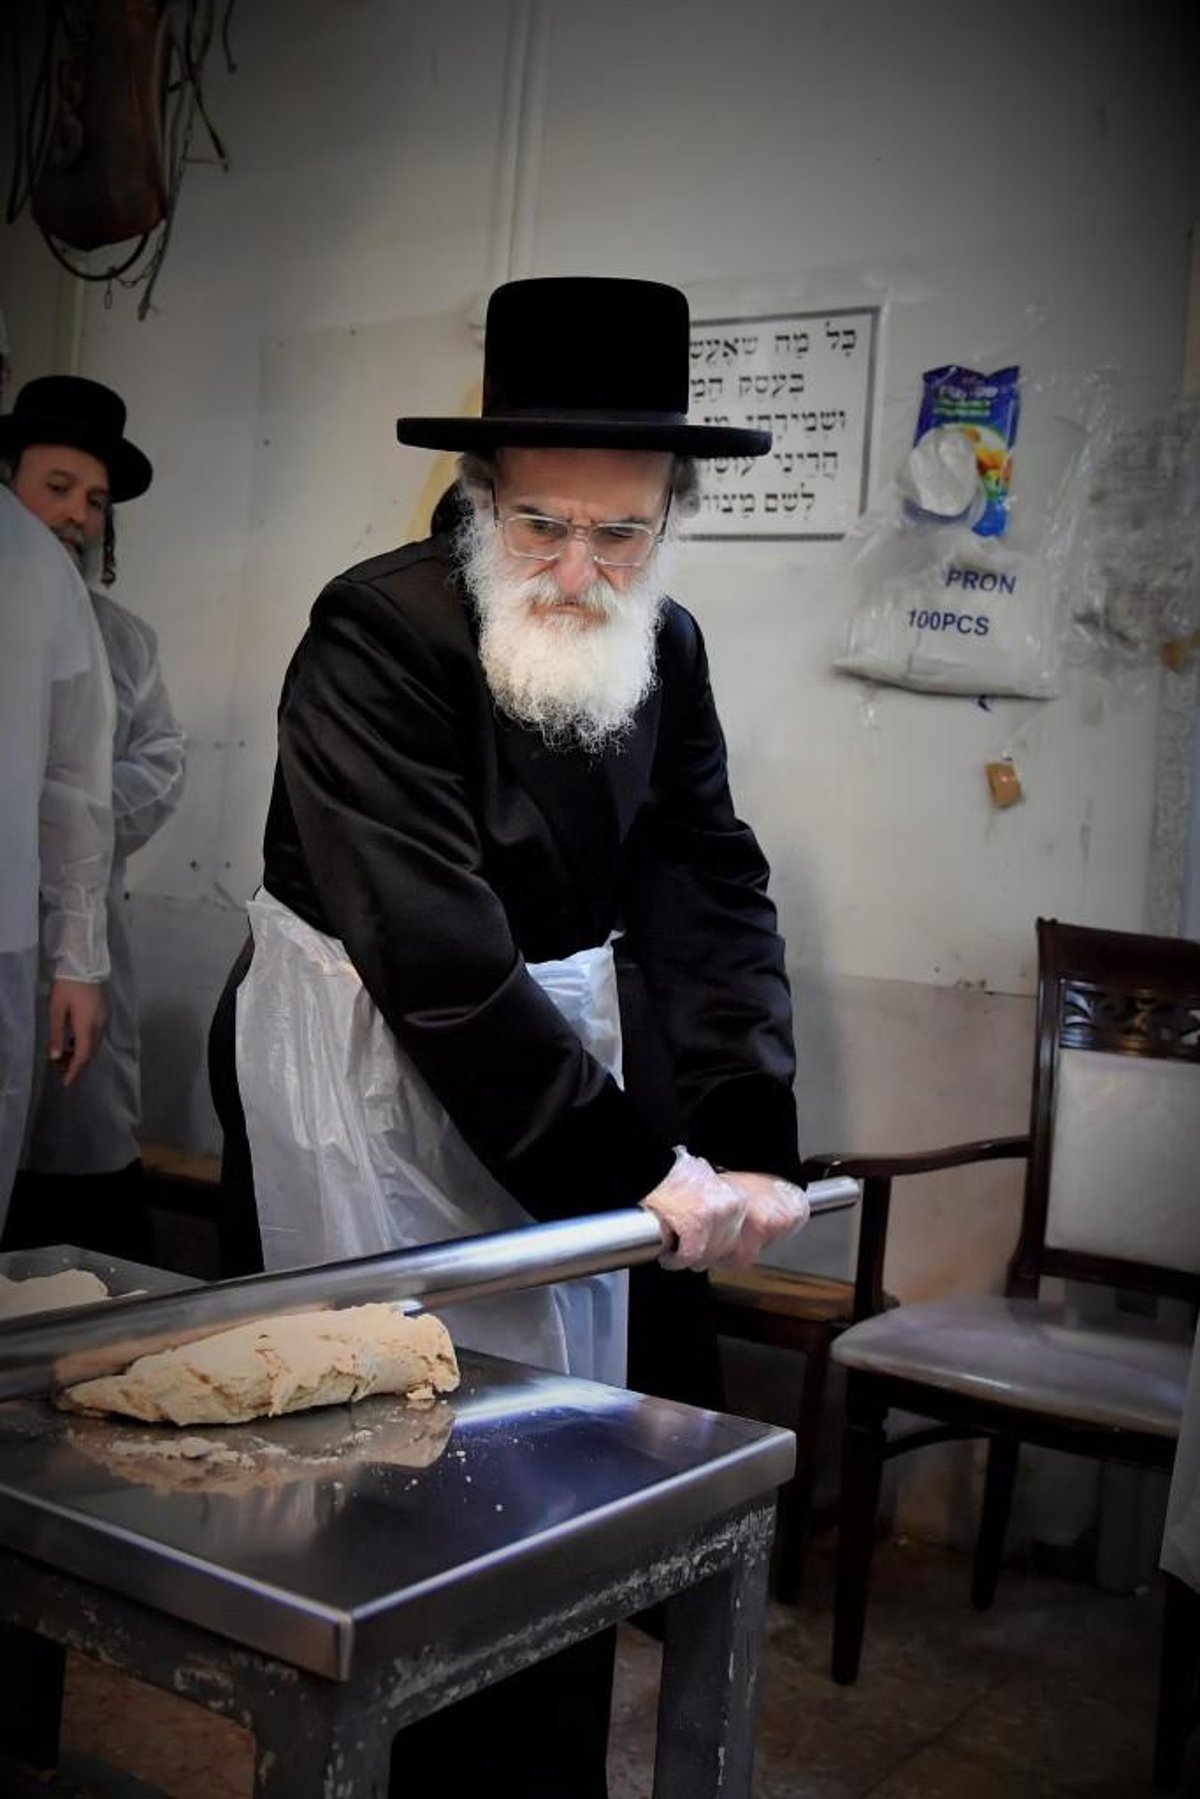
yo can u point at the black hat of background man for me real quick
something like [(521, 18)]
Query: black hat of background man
[(68, 409), (585, 362)]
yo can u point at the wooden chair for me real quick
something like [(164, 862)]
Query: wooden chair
[(1112, 1196)]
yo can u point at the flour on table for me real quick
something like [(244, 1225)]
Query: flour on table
[(49, 1292), (242, 1462), (284, 1364)]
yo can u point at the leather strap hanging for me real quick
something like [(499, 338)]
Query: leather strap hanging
[(102, 180)]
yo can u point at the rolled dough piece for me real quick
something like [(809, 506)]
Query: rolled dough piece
[(49, 1292), (284, 1364)]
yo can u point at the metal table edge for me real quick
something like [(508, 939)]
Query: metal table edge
[(325, 1640), (625, 1527)]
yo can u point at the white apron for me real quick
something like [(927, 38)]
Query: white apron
[(353, 1155)]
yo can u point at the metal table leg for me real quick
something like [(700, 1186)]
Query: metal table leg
[(708, 1698), (314, 1742), (315, 1736)]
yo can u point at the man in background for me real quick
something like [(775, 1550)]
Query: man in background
[(69, 464)]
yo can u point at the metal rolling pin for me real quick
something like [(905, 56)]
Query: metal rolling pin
[(42, 1354)]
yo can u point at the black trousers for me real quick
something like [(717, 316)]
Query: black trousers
[(540, 1734), (102, 1212), (240, 1244)]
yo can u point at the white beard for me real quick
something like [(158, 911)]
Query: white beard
[(575, 683), (88, 558)]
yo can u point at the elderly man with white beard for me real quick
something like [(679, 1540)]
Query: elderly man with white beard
[(568, 617), (501, 778), (513, 956)]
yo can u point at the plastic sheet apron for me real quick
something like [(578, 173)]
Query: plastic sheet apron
[(353, 1155)]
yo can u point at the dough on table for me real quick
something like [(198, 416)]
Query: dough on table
[(49, 1292), (284, 1364)]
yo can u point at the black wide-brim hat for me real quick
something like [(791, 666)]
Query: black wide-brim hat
[(585, 362), (86, 415)]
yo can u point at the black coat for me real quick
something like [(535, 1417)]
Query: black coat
[(446, 847)]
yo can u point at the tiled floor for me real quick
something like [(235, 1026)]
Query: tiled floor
[(1050, 1695)]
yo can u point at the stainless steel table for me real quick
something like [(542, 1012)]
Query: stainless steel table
[(329, 1578)]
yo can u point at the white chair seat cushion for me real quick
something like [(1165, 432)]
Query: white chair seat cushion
[(1128, 1373)]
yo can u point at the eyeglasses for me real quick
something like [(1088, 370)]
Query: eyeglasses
[(538, 538)]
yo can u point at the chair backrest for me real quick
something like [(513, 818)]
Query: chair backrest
[(1113, 1186)]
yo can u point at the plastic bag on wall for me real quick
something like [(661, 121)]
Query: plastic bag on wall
[(944, 611), (937, 599)]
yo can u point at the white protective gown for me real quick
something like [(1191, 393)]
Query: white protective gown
[(56, 733), (92, 1126)]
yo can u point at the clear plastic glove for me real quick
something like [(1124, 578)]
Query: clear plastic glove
[(774, 1208), (703, 1212)]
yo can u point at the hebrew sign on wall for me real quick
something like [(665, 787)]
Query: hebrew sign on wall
[(807, 378)]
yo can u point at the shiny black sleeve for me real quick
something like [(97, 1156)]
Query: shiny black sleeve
[(374, 752), (705, 935)]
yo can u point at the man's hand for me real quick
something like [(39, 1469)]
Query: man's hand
[(78, 1015), (774, 1208), (702, 1212), (726, 1217)]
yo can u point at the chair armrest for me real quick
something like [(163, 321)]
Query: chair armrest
[(876, 1174), (955, 1155)]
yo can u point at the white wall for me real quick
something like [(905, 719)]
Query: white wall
[(1008, 186)]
